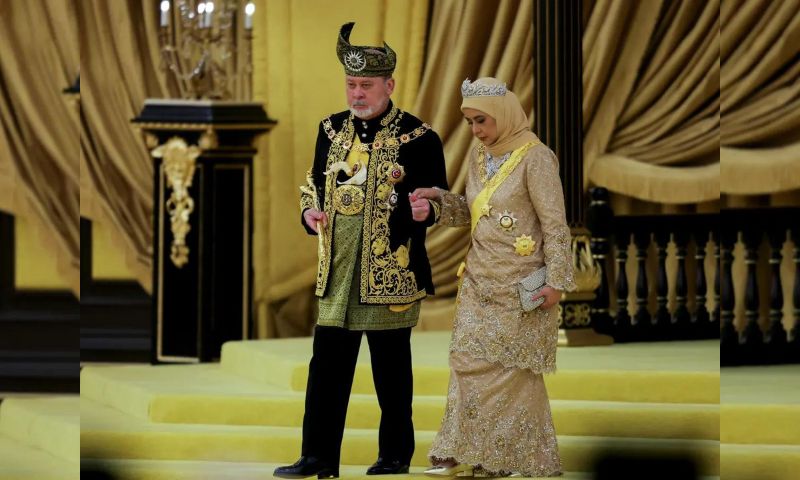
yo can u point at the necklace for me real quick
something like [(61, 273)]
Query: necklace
[(493, 164), (391, 142)]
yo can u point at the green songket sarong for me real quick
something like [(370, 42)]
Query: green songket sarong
[(340, 306)]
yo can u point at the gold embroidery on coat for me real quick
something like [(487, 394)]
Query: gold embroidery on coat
[(383, 278)]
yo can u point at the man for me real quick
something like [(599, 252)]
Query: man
[(373, 268)]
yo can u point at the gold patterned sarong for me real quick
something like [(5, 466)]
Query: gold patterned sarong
[(340, 307)]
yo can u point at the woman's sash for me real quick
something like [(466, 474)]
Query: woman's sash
[(482, 199)]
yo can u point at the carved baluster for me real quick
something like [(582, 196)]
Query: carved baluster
[(729, 337), (642, 319), (701, 317), (682, 325), (775, 337), (752, 338), (662, 322), (714, 328), (622, 321)]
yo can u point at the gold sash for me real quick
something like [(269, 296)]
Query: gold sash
[(482, 199), (494, 183)]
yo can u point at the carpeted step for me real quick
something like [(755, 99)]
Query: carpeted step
[(22, 462), (760, 424), (767, 462), (664, 372), (760, 405), (50, 424), (201, 470), (207, 394), (107, 433)]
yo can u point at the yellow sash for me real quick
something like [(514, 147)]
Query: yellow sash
[(482, 199), (493, 183)]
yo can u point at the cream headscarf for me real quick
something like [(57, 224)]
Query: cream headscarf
[(513, 128)]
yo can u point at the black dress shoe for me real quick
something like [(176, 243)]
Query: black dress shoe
[(387, 467), (307, 467)]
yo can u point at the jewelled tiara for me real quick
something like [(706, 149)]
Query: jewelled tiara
[(474, 89)]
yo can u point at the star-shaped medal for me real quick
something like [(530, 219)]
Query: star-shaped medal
[(486, 210), (524, 245), (507, 221)]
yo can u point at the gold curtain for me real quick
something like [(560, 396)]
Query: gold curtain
[(39, 169), (299, 78), (651, 99), (119, 70), (300, 82), (759, 50), (467, 39)]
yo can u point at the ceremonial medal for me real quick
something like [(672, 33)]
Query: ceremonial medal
[(507, 221), (524, 245)]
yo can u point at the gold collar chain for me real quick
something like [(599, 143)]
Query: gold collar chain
[(391, 142)]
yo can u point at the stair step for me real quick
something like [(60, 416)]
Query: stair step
[(204, 470), (22, 462), (664, 372), (107, 433), (161, 394), (50, 424), (760, 405), (768, 462)]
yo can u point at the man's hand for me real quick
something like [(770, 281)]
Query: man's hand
[(420, 208), (312, 216), (552, 296)]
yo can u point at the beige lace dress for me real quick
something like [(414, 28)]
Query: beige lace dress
[(498, 415)]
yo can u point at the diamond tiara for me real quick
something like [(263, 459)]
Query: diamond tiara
[(473, 89)]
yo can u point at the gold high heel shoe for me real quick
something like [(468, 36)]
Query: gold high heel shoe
[(460, 470)]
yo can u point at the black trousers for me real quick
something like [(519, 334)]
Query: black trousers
[(330, 379)]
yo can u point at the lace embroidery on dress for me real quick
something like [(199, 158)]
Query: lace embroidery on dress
[(497, 420), (547, 195), (454, 210), (491, 325)]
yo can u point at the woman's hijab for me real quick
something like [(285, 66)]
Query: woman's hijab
[(490, 96)]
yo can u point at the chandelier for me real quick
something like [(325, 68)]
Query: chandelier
[(206, 47)]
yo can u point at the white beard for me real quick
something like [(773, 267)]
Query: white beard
[(362, 113), (369, 112)]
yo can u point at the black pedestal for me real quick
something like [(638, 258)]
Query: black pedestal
[(204, 298)]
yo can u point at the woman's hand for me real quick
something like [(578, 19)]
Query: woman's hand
[(551, 295), (426, 193)]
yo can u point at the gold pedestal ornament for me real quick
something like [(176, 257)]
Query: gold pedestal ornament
[(574, 311), (179, 165)]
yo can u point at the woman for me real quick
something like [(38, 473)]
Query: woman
[(497, 421)]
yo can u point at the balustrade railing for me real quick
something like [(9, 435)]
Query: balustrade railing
[(658, 271)]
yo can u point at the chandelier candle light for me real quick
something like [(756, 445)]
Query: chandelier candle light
[(207, 47)]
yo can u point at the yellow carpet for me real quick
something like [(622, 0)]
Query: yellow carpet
[(106, 433), (21, 462), (39, 438), (198, 470), (170, 421), (680, 372), (206, 394), (760, 405), (760, 422), (760, 462)]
